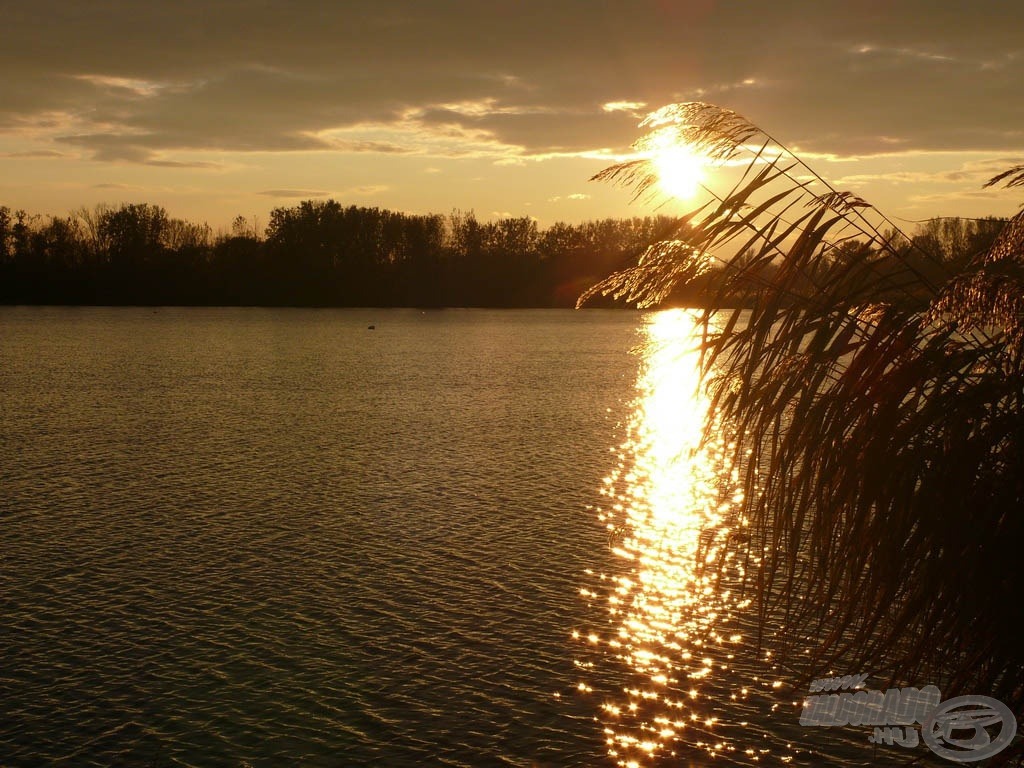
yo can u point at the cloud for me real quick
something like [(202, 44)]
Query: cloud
[(378, 147), (131, 82), (623, 106), (441, 140), (131, 148), (110, 147), (883, 52), (36, 153), (196, 164), (304, 193), (132, 86), (971, 174), (958, 196), (367, 189), (364, 190), (111, 185)]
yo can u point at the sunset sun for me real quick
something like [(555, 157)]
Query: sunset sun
[(680, 171)]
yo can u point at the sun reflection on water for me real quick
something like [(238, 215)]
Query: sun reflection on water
[(670, 514)]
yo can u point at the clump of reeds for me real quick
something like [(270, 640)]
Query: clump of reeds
[(880, 394)]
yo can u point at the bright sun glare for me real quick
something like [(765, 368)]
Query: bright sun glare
[(680, 171)]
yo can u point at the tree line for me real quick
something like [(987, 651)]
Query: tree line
[(321, 253), (316, 253)]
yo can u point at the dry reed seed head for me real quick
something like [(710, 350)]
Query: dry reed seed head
[(673, 254), (1014, 177), (1009, 244), (715, 132), (840, 202), (661, 138)]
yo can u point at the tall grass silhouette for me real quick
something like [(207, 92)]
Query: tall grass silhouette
[(879, 390)]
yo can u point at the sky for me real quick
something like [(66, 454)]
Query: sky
[(218, 109)]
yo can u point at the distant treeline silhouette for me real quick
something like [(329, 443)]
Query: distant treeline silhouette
[(316, 253), (321, 253)]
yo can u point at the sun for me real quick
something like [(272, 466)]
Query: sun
[(680, 170)]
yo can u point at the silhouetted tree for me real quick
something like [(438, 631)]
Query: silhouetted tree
[(133, 234)]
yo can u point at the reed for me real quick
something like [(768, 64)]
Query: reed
[(879, 390)]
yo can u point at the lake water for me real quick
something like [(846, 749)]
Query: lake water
[(273, 537)]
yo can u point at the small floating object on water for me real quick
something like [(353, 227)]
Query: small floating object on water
[(371, 327)]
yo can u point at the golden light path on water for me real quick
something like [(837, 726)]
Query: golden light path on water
[(671, 513)]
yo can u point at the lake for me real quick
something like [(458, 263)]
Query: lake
[(266, 537)]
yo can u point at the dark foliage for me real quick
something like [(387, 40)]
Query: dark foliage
[(317, 253)]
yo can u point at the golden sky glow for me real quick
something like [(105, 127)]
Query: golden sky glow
[(219, 109)]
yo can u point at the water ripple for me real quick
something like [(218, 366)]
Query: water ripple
[(266, 537)]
